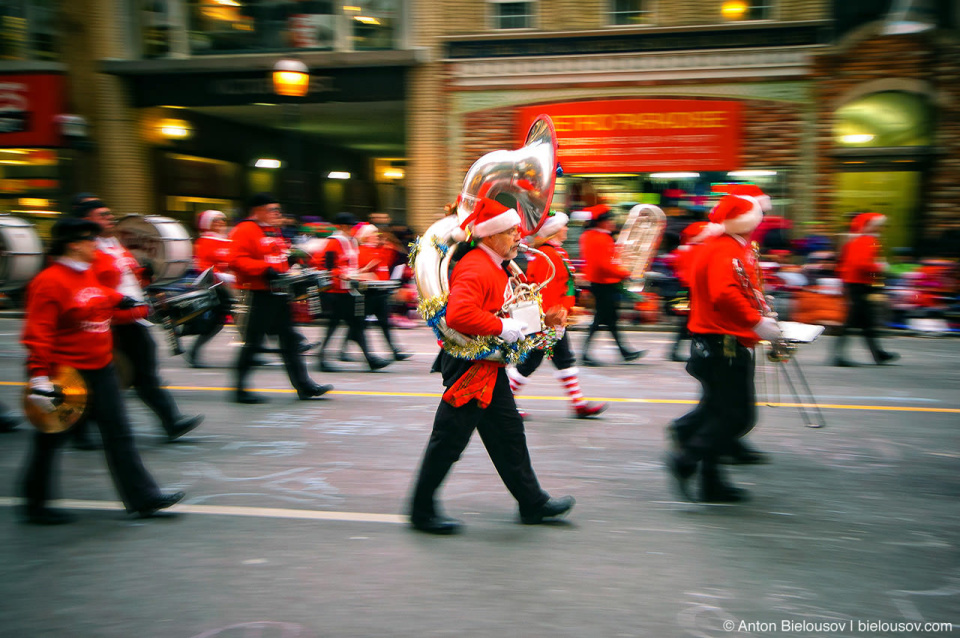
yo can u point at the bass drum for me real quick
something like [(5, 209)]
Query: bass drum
[(21, 253), (161, 241)]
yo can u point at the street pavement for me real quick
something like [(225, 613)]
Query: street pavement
[(293, 523)]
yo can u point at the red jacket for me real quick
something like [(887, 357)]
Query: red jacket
[(683, 258), (254, 248), (341, 256), (601, 258), (109, 269), (68, 320), (211, 250), (721, 302), (558, 291), (478, 288), (382, 255), (858, 263)]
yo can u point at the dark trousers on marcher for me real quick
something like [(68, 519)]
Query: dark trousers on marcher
[(378, 305), (502, 433), (269, 314), (563, 357), (727, 408), (606, 298), (135, 344), (351, 310), (862, 315), (136, 487)]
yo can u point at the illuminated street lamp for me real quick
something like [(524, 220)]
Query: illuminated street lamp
[(291, 78), (733, 9)]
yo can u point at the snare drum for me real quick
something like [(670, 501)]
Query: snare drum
[(304, 286), (162, 241), (21, 253), (378, 285), (181, 308)]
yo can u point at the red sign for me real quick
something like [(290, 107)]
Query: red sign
[(29, 104), (616, 136)]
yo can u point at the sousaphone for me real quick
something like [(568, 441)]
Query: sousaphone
[(70, 402), (524, 178)]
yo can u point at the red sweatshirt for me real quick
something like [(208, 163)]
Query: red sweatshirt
[(858, 260), (557, 292), (382, 255), (345, 259), (601, 258), (478, 288), (211, 250), (721, 302), (68, 321), (254, 248)]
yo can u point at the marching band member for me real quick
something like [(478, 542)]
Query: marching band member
[(603, 270), (258, 257), (68, 317), (727, 318), (211, 250), (378, 257), (860, 268), (116, 268), (558, 298), (478, 395), (690, 238), (341, 256)]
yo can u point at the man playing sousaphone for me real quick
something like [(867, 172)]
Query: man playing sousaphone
[(478, 395), (558, 299), (68, 317)]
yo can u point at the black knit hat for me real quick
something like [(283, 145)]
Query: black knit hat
[(70, 229), (79, 197), (344, 219), (83, 209), (261, 199)]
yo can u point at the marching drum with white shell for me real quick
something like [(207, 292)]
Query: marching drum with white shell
[(162, 241), (21, 253)]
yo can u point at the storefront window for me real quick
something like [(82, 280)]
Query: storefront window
[(27, 30), (30, 185), (217, 26), (885, 119)]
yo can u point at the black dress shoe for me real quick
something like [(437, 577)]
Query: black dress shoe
[(886, 357), (46, 516), (346, 357), (553, 508), (437, 524), (720, 492), (163, 502), (328, 367), (249, 398), (681, 471), (840, 362), (183, 425), (8, 421), (587, 361), (377, 363), (313, 391), (401, 356), (743, 454), (633, 355)]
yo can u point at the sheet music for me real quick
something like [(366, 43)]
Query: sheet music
[(800, 332)]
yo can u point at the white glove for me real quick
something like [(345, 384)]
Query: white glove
[(512, 330), (42, 394), (768, 329)]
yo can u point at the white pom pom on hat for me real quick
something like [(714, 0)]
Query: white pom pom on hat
[(739, 214)]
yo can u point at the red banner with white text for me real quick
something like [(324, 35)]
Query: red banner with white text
[(29, 105), (634, 136)]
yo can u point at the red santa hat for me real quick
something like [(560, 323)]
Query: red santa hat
[(489, 217), (552, 225), (865, 223), (597, 212), (206, 218), (739, 215), (698, 232), (751, 190)]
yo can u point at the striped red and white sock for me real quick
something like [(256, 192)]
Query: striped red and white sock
[(517, 380), (571, 383)]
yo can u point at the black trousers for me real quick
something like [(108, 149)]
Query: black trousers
[(269, 314), (862, 315), (501, 430), (136, 487), (378, 305), (563, 357), (348, 309), (727, 408), (606, 314)]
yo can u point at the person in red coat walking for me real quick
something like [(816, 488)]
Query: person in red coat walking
[(602, 268), (690, 239), (68, 318), (728, 315), (211, 250), (478, 395), (259, 255), (861, 270), (558, 297), (116, 268)]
